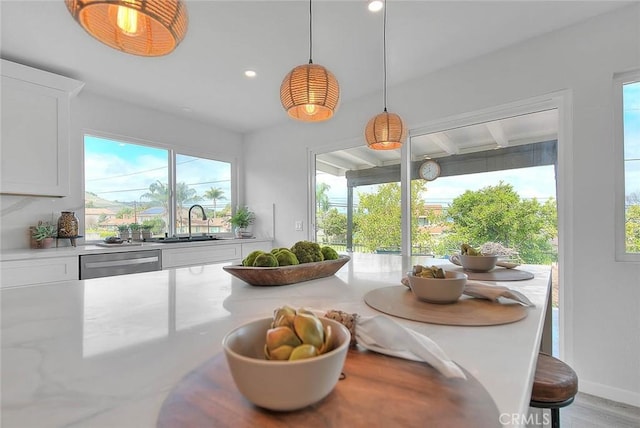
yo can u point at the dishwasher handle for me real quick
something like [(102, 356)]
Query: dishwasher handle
[(126, 262)]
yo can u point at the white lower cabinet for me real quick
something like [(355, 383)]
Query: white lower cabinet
[(200, 255), (38, 271), (33, 271)]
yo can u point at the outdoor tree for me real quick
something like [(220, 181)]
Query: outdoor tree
[(379, 216), (334, 226), (322, 203), (632, 229), (226, 211), (497, 214), (184, 195), (632, 223), (421, 239), (125, 212), (158, 194), (156, 224), (215, 194), (322, 199)]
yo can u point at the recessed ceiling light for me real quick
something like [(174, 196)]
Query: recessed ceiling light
[(375, 5), (250, 73)]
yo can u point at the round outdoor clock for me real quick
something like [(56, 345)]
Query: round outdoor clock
[(429, 170)]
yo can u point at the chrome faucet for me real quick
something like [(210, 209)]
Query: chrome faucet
[(204, 216)]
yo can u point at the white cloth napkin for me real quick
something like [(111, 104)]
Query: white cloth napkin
[(494, 292), (382, 334), (481, 290)]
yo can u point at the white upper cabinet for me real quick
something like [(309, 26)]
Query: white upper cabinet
[(35, 131)]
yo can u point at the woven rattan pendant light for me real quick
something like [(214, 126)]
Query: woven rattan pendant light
[(139, 27), (386, 131), (310, 92)]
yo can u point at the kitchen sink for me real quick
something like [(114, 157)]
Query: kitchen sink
[(177, 239)]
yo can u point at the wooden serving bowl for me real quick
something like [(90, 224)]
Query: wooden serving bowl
[(284, 275)]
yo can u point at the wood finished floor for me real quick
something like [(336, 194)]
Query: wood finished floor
[(588, 411)]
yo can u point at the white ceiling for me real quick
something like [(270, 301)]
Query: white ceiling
[(203, 78)]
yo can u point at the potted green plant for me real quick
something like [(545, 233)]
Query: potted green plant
[(146, 231), (123, 232), (135, 231), (42, 235), (241, 220)]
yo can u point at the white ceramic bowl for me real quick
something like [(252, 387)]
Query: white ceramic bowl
[(283, 385), (438, 290), (478, 263)]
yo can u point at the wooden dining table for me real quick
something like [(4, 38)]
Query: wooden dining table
[(109, 351)]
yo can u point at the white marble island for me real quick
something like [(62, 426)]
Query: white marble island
[(106, 352)]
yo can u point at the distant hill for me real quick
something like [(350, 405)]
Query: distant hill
[(94, 201)]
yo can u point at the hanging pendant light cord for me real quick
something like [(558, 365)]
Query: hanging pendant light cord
[(310, 33), (384, 52)]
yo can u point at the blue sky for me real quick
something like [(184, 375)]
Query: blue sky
[(631, 112), (123, 172)]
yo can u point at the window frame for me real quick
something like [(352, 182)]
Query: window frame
[(172, 152), (619, 80)]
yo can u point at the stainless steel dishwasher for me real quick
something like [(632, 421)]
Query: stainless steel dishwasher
[(112, 264)]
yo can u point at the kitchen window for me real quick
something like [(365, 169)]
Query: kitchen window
[(627, 129), (152, 188)]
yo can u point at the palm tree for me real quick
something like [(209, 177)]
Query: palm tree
[(214, 194), (184, 194), (322, 200), (158, 193), (322, 204)]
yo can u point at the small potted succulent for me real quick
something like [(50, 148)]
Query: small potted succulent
[(123, 232), (42, 235), (135, 232), (240, 220)]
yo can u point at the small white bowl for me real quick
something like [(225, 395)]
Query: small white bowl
[(478, 263), (438, 290), (283, 385)]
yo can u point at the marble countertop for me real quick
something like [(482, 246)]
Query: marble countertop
[(66, 249), (106, 352)]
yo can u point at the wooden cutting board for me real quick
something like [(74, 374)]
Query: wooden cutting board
[(377, 391), (399, 301)]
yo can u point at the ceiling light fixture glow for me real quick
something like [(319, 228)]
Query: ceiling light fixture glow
[(250, 73), (375, 5), (138, 27), (386, 131), (310, 92), (127, 19)]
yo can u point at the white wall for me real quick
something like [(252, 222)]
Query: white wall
[(601, 301), (90, 112)]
